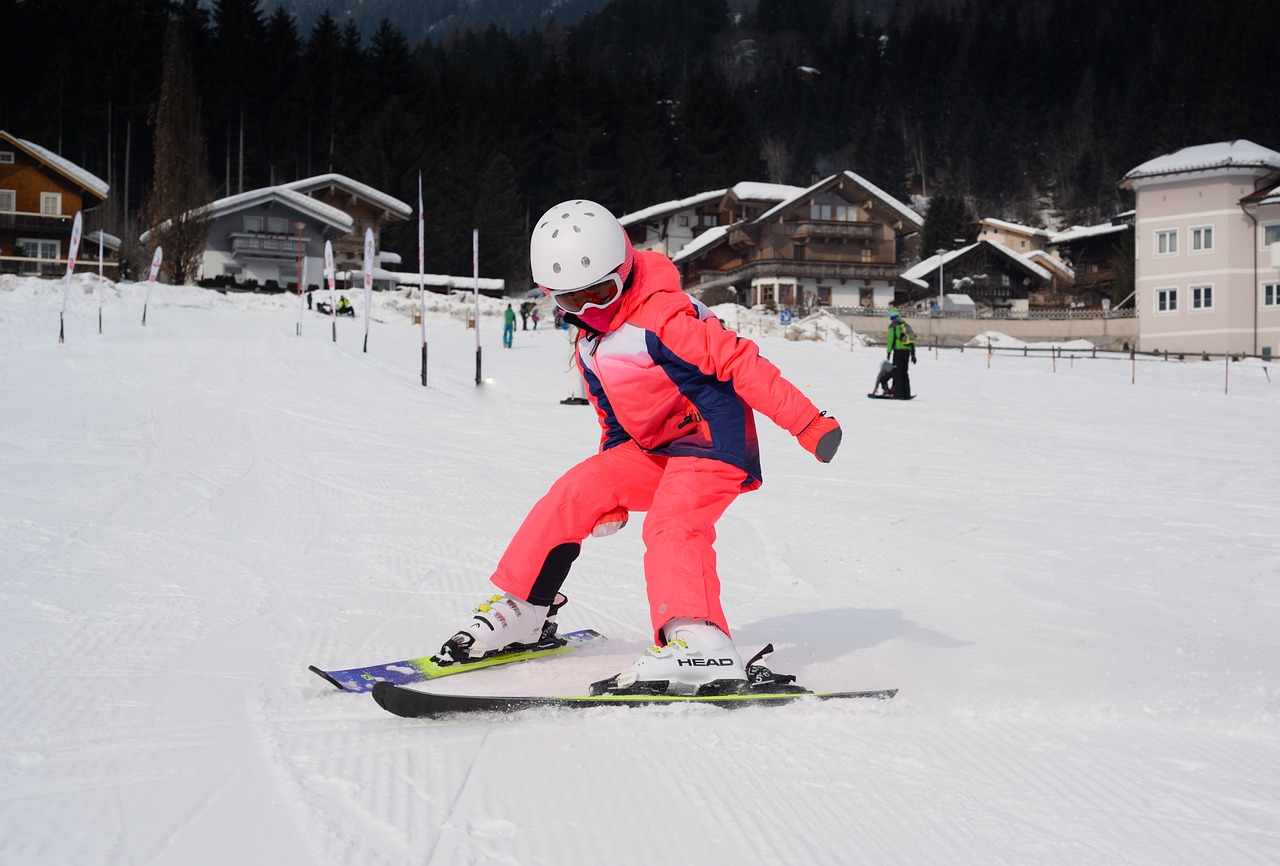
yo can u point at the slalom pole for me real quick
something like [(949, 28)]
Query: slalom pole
[(302, 296), (156, 260), (76, 225), (475, 270), (100, 242), (368, 282), (422, 284), (328, 275)]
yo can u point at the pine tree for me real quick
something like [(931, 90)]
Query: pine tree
[(177, 210)]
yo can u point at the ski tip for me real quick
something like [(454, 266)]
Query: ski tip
[(324, 675)]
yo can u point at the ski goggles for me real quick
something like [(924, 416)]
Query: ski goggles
[(593, 297)]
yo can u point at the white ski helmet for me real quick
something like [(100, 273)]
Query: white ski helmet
[(576, 244)]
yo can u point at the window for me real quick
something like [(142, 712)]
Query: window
[(233, 271), (6, 157), (1167, 243), (8, 200), (1202, 297), (830, 207), (50, 203), (824, 296), (1166, 301), (253, 223), (1271, 295), (785, 293), (766, 294), (1270, 234), (277, 225), (682, 221), (34, 248), (1201, 239)]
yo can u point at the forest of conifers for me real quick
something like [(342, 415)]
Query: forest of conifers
[(1029, 111)]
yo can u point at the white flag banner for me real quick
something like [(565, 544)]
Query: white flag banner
[(329, 278), (368, 282), (76, 225), (156, 261), (71, 266)]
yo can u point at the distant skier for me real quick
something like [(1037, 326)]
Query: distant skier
[(508, 327), (674, 392), (902, 351)]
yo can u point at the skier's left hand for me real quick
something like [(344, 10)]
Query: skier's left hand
[(913, 357), (821, 437)]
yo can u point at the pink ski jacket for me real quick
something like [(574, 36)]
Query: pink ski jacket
[(669, 376)]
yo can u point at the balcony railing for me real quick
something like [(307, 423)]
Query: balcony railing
[(265, 246), (799, 270), (841, 231), (45, 224)]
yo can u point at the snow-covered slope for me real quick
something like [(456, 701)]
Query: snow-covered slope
[(1073, 580)]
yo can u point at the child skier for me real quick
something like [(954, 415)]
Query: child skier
[(674, 393)]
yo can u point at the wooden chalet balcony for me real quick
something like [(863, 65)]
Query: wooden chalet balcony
[(264, 246), (20, 221), (800, 270), (835, 231), (1094, 279)]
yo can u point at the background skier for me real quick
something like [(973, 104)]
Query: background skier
[(902, 351)]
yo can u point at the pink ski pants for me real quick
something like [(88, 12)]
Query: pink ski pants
[(683, 498)]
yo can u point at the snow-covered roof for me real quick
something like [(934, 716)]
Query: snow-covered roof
[(703, 242), (362, 190), (750, 190), (908, 215), (402, 278), (107, 240), (86, 179), (1015, 227), (304, 204), (670, 207), (1047, 261), (1076, 233), (1239, 153), (927, 266)]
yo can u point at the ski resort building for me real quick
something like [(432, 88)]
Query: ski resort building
[(838, 243), (1207, 268), (40, 195)]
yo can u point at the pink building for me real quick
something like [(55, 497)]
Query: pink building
[(1207, 273)]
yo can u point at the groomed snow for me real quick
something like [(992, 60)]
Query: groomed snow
[(1073, 579)]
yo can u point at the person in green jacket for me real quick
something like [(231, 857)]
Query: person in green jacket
[(902, 351), (508, 327)]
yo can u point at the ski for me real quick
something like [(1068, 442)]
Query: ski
[(425, 668), (889, 397), (412, 704)]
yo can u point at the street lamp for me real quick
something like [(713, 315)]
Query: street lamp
[(940, 255)]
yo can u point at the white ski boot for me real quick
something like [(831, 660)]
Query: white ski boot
[(504, 624), (697, 652)]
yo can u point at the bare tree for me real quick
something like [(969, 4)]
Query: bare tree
[(177, 208)]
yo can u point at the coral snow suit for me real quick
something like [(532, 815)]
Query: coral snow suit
[(674, 392)]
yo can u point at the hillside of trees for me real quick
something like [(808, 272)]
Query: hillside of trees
[(1028, 111)]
